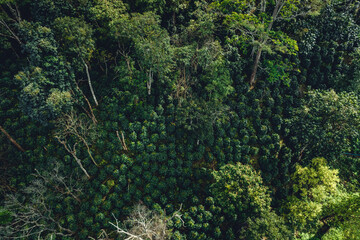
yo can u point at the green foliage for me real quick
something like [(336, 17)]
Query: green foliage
[(46, 82), (151, 45), (342, 215), (75, 40), (173, 106), (110, 10), (269, 226), (326, 124), (313, 185), (5, 217), (216, 78), (39, 42), (316, 180), (251, 24), (328, 46), (278, 71), (239, 191), (39, 100), (201, 117)]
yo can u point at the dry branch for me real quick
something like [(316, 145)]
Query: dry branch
[(11, 139), (122, 140), (144, 224)]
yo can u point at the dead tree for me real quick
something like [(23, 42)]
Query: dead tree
[(90, 114), (150, 81), (143, 224), (65, 186), (73, 127), (33, 218), (102, 236)]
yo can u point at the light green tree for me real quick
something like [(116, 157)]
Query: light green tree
[(239, 191), (341, 216), (151, 45), (313, 186), (46, 83)]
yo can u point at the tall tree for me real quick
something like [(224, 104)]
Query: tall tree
[(76, 42), (46, 82), (255, 20), (325, 125), (151, 45)]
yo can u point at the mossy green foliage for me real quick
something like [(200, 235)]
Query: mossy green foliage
[(5, 217)]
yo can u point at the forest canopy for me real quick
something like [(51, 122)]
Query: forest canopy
[(181, 119)]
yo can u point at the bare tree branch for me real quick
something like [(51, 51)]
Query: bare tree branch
[(72, 151), (102, 236), (143, 224), (17, 19), (65, 186), (91, 113), (122, 140), (33, 217), (71, 126)]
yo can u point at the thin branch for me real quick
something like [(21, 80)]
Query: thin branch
[(150, 81), (15, 12), (72, 151), (122, 140), (145, 224), (89, 81), (12, 33), (91, 116), (56, 180), (33, 218)]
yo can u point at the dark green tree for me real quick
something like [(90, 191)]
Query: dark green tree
[(325, 125), (47, 81)]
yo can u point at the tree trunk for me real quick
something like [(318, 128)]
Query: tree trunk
[(275, 13), (89, 81), (255, 67), (149, 82), (11, 139)]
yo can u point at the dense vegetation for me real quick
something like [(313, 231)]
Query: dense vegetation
[(181, 119)]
